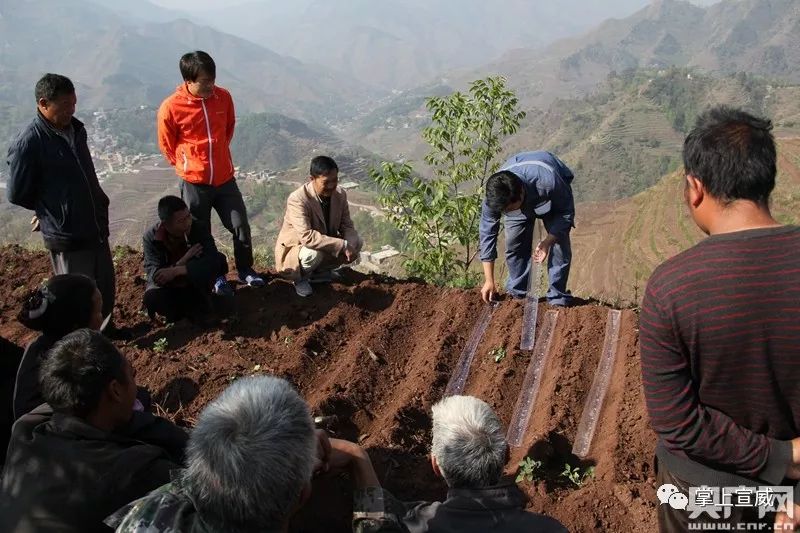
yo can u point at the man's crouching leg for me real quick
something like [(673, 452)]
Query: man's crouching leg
[(310, 261), (165, 301)]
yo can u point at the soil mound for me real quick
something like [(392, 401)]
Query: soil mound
[(374, 354)]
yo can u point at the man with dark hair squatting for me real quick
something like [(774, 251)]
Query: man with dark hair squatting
[(528, 186)]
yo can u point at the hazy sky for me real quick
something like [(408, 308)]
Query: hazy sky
[(189, 5)]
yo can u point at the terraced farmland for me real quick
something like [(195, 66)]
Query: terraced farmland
[(616, 245)]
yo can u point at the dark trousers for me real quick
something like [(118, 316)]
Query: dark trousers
[(192, 301), (95, 263), (677, 520), (175, 303), (519, 246), (228, 203)]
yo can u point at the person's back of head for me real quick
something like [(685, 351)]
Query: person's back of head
[(250, 457), (65, 303), (469, 444), (502, 189), (85, 375), (732, 153)]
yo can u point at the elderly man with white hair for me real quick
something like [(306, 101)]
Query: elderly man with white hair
[(250, 461), (470, 452)]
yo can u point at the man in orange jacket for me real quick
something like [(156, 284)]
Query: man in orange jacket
[(195, 129)]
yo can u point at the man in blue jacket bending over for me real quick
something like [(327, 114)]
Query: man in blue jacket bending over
[(528, 186)]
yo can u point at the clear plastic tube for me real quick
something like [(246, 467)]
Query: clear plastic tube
[(533, 379), (602, 378), (531, 310), (459, 378)]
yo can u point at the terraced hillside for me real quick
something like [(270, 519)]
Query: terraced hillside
[(754, 36), (621, 139), (618, 244)]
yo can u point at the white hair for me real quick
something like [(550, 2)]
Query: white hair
[(468, 442), (250, 455)]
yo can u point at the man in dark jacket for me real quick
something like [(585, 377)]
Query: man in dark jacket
[(469, 451), (10, 358), (78, 458), (182, 264), (51, 172)]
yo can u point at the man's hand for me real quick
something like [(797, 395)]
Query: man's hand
[(793, 470), (322, 457), (35, 224), (194, 251), (784, 523), (488, 291), (350, 254), (543, 248), (346, 455), (164, 276)]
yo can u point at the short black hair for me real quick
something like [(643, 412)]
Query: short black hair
[(61, 306), (77, 370), (193, 63), (322, 165), (502, 188), (733, 154), (168, 206), (52, 86)]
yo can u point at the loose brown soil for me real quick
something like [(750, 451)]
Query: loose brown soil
[(322, 345)]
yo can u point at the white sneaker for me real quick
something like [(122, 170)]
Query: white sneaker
[(303, 288)]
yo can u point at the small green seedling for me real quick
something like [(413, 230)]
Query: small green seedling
[(288, 340), (160, 345), (575, 475), (498, 354), (120, 253), (528, 470)]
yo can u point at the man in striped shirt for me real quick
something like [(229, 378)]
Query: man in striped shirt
[(720, 328)]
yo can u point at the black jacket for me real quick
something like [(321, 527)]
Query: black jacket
[(500, 509), (201, 270), (27, 392), (65, 475), (60, 185)]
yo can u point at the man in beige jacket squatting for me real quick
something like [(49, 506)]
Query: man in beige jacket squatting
[(317, 233)]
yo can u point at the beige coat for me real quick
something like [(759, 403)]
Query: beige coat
[(304, 225)]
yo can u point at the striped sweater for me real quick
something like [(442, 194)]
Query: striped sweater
[(720, 348)]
